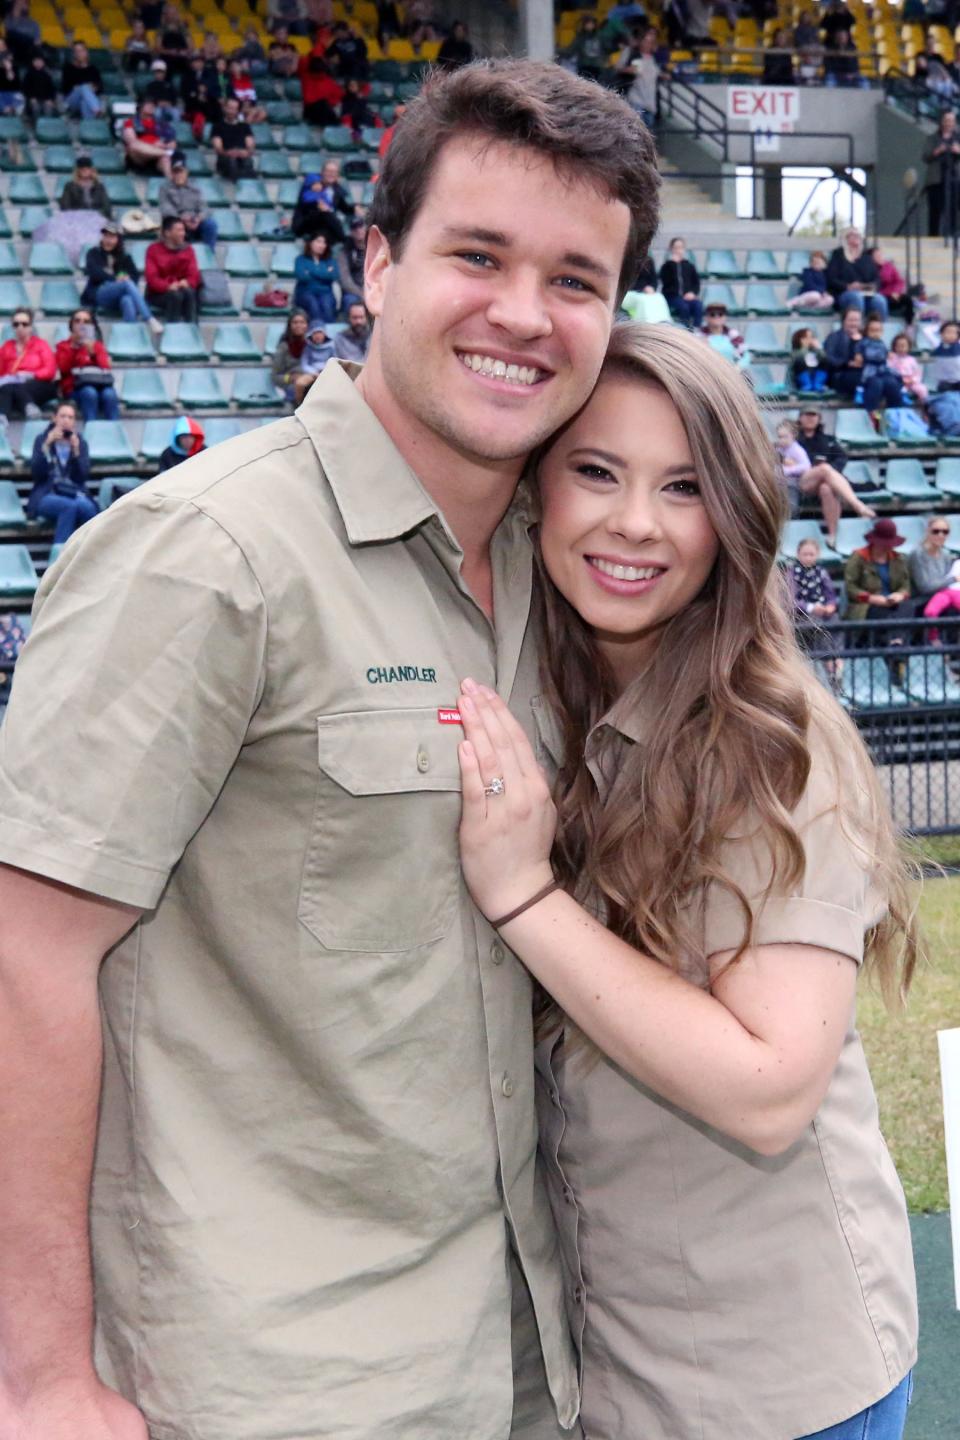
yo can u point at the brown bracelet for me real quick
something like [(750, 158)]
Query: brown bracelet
[(527, 904)]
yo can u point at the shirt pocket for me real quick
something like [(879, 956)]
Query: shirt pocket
[(382, 871)]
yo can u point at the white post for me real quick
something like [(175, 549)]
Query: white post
[(949, 1042), (536, 29)]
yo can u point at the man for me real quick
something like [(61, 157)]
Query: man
[(942, 158), (145, 149), (347, 55), (315, 1198), (81, 85), (354, 342), (351, 260), (232, 139), (171, 272), (282, 57), (181, 197), (164, 96)]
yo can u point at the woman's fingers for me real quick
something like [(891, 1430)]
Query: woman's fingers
[(511, 728), (471, 780), (476, 732)]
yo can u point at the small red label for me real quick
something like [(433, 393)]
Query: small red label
[(449, 716)]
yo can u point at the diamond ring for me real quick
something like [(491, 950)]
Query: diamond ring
[(496, 786)]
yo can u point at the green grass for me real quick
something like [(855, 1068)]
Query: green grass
[(902, 1048)]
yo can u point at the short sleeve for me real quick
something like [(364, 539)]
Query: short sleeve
[(836, 900), (131, 699)]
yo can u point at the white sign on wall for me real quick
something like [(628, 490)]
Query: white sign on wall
[(771, 109)]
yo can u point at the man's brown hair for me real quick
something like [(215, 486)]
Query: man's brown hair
[(589, 132)]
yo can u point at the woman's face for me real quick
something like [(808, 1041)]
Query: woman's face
[(625, 535), (678, 250), (298, 326), (852, 322), (938, 533), (81, 325), (22, 327), (109, 241), (854, 241), (318, 247), (807, 554)]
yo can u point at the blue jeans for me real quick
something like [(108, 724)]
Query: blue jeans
[(319, 304), (68, 513), (124, 296), (856, 300), (688, 312), (83, 102), (883, 1421), (206, 232), (97, 402)]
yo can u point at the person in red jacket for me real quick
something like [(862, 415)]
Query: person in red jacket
[(322, 94), (85, 351), (172, 275), (27, 370)]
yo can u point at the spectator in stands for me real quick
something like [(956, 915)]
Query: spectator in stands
[(173, 41), (251, 53), (680, 284), (146, 149), (85, 190), (151, 13), (22, 32), (877, 582), (809, 367), (182, 197), (908, 368), (587, 51), (638, 60), (852, 276), (165, 97), (723, 336), (355, 109), (82, 353), (322, 200), (931, 563), (794, 461), (841, 63), (946, 599), (112, 279), (645, 280), (835, 20), (12, 99), (813, 286), (347, 54), (388, 21), (137, 50), (282, 57), (315, 272), (778, 60), (942, 158), (232, 139), (214, 89), (390, 130), (845, 358), (881, 385), (933, 71), (354, 342), (290, 14), (891, 285), (321, 92), (944, 371), (815, 602), (39, 87), (807, 34), (421, 21), (187, 438), (60, 470), (825, 478), (351, 259), (456, 48), (288, 355), (27, 370), (317, 351), (13, 637), (80, 84), (173, 278)]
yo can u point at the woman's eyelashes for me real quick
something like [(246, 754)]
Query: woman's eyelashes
[(689, 487), (594, 472)]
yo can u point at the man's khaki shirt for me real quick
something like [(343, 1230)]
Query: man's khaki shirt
[(318, 1093)]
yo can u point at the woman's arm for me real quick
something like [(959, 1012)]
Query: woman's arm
[(752, 1056)]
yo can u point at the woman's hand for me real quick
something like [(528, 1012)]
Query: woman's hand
[(505, 840)]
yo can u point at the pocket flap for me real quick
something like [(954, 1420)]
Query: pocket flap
[(386, 752)]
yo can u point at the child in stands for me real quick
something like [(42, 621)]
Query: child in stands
[(815, 600), (908, 367), (809, 370), (945, 366), (813, 286), (187, 439), (794, 461)]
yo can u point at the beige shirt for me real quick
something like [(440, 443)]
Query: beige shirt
[(318, 1096), (714, 1292)]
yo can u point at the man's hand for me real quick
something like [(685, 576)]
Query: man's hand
[(71, 1411)]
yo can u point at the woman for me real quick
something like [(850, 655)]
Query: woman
[(825, 478), (85, 190), (730, 1220), (680, 284), (877, 581), (316, 274), (79, 357), (112, 279), (27, 370), (853, 363), (60, 468), (288, 355), (930, 565), (852, 277)]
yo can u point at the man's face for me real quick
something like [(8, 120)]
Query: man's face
[(79, 54), (494, 320), (331, 173), (147, 110), (949, 124), (357, 319), (179, 174), (176, 235), (231, 109)]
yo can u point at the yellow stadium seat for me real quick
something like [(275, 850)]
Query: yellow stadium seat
[(52, 34), (301, 43), (400, 50), (373, 49), (429, 50)]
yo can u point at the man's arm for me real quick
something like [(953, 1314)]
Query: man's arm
[(52, 940)]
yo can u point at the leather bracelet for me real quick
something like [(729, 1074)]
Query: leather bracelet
[(527, 904)]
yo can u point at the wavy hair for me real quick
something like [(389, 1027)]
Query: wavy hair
[(733, 709)]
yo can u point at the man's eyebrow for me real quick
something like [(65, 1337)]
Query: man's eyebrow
[(477, 234), (579, 261)]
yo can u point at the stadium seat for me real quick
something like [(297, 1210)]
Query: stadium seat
[(49, 258), (311, 161), (764, 265), (59, 159), (930, 680), (7, 457), (850, 535), (121, 190), (13, 128), (266, 223), (220, 427), (371, 135), (796, 530), (274, 165), (50, 129), (337, 139), (722, 265), (10, 264), (273, 336), (764, 383), (156, 438), (114, 487), (299, 137), (27, 190), (283, 259), (718, 293), (254, 388), (357, 167), (6, 230), (905, 440), (108, 443), (252, 195), (143, 390), (867, 682), (13, 296), (249, 300), (59, 297), (761, 339), (184, 136), (18, 574), (229, 225), (906, 481), (854, 430), (211, 188), (281, 112), (235, 343), (94, 132), (12, 514), (765, 299), (288, 191), (205, 257), (131, 343), (107, 160), (263, 137), (866, 474), (200, 389), (243, 259), (32, 216), (180, 341), (948, 476)]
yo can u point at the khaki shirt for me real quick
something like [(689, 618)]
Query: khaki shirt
[(318, 1093), (714, 1292)]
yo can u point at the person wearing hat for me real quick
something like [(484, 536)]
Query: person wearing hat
[(722, 336), (182, 197), (85, 190), (825, 478), (113, 279), (161, 91), (877, 581)]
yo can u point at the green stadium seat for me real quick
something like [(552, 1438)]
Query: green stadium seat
[(764, 265), (243, 260), (108, 443), (765, 385), (13, 296), (864, 476), (719, 293), (722, 265), (137, 250), (266, 223), (337, 139), (229, 225), (274, 165), (180, 341), (156, 438), (796, 530), (115, 87), (18, 574), (184, 136), (6, 229), (107, 159), (371, 135), (50, 130), (211, 188), (235, 343), (283, 259), (797, 262), (269, 88), (7, 457), (31, 217), (855, 431), (948, 476), (12, 514), (13, 128), (208, 308), (29, 433), (281, 112), (850, 535), (868, 683), (298, 137), (263, 137), (906, 481), (59, 297), (114, 487), (311, 161), (273, 336), (131, 343), (254, 288), (10, 263), (254, 388), (765, 299), (94, 132), (201, 390), (143, 390), (388, 72), (762, 339), (219, 428), (205, 257), (906, 441), (59, 159), (27, 189), (357, 167), (252, 195), (288, 192), (121, 190), (49, 258)]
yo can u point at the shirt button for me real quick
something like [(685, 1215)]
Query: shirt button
[(578, 1295), (506, 1085), (423, 761), (555, 1097), (568, 1194), (496, 954)]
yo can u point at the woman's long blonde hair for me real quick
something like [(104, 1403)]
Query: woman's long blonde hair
[(732, 704)]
